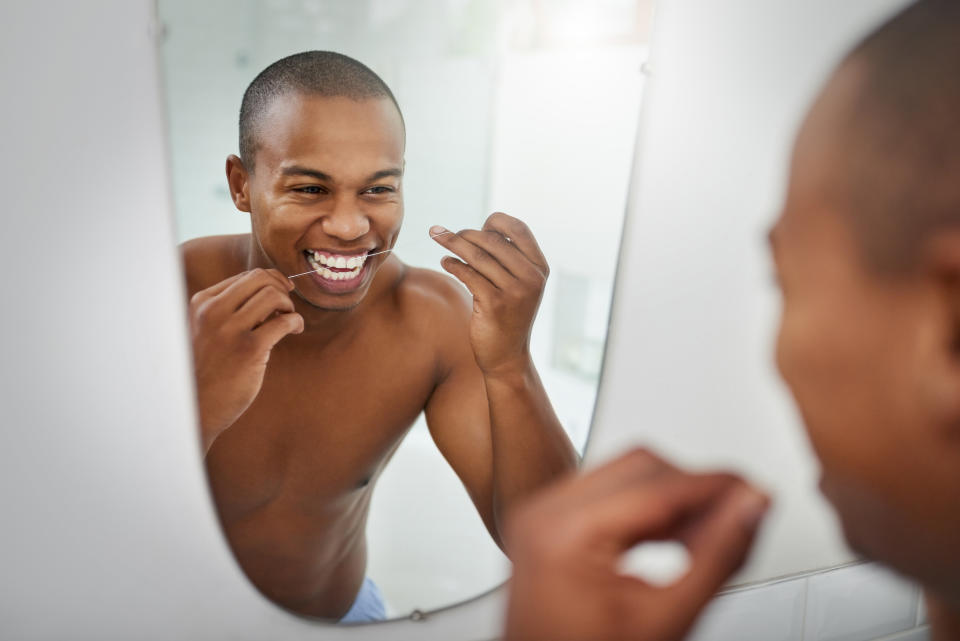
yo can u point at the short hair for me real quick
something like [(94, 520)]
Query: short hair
[(313, 73), (899, 140)]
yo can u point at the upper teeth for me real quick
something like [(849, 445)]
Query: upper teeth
[(339, 261), (354, 263)]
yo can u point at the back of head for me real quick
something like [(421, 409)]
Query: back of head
[(315, 73), (868, 337), (898, 150)]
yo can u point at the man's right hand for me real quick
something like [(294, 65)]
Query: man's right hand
[(567, 541), (234, 325)]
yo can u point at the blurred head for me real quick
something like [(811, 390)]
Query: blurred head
[(320, 171), (868, 258)]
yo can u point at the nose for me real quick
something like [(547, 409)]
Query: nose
[(347, 221)]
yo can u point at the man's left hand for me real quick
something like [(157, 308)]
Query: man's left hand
[(505, 272)]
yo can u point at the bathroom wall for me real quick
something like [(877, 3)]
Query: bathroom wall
[(858, 602)]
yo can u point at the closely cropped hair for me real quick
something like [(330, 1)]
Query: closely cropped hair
[(901, 137), (315, 73)]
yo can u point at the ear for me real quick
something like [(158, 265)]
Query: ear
[(238, 181), (940, 264)]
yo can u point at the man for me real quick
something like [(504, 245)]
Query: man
[(868, 256), (307, 385)]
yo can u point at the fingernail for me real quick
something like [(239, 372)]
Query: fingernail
[(751, 505), (437, 229)]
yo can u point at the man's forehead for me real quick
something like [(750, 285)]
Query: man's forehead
[(295, 115), (332, 131), (819, 164), (833, 110)]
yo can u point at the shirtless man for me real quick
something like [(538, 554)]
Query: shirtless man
[(868, 259), (307, 386)]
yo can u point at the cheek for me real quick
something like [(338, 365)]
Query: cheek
[(386, 219), (795, 345), (814, 361)]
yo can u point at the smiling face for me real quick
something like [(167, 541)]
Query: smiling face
[(325, 192), (871, 359)]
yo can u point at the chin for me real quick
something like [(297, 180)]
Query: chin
[(332, 303), (867, 521)]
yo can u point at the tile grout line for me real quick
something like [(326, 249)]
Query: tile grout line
[(803, 619)]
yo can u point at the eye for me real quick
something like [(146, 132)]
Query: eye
[(310, 189), (380, 190)]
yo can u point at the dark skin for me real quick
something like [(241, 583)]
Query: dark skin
[(307, 386), (569, 539), (872, 361), (871, 358)]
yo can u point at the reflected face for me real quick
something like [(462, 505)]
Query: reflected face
[(858, 350), (325, 193)]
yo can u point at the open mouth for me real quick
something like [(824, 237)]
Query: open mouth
[(336, 267)]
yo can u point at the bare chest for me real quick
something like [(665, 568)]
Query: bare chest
[(321, 430)]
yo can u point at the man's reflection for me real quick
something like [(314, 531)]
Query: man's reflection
[(307, 386)]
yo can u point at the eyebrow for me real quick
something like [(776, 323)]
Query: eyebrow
[(298, 170)]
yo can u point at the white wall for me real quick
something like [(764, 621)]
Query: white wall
[(689, 363)]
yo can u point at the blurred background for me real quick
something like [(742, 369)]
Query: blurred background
[(524, 106)]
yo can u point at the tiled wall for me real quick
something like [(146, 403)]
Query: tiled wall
[(860, 602)]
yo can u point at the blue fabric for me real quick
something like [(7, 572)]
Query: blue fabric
[(368, 605)]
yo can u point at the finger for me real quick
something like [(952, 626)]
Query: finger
[(653, 509), (506, 253), (719, 547), (263, 304), (477, 258), (630, 468), (234, 296), (520, 235), (478, 286), (270, 332), (216, 289)]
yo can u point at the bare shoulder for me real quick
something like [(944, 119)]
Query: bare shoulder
[(211, 259), (434, 300), (437, 309)]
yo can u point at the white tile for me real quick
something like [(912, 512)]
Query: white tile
[(917, 634), (768, 613), (858, 603), (922, 611)]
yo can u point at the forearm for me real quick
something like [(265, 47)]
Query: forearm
[(530, 447)]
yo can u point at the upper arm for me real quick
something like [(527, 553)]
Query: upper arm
[(457, 412)]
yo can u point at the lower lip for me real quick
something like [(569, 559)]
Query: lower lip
[(340, 286)]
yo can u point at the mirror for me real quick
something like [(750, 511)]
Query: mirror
[(520, 106)]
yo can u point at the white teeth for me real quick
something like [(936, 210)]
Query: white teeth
[(321, 262)]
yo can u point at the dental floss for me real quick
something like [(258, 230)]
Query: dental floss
[(373, 254)]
